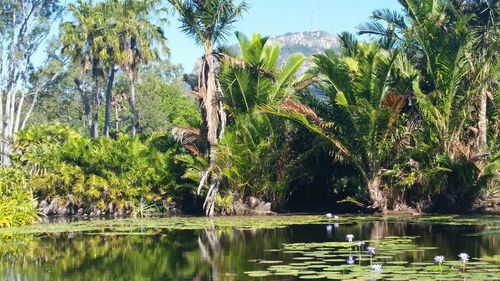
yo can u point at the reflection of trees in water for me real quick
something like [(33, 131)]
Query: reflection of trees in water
[(451, 239), (155, 256), (213, 253)]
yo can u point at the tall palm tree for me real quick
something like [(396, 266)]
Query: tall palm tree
[(139, 41), (84, 40), (208, 22)]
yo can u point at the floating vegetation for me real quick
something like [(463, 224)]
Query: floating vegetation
[(251, 248), (173, 223), (193, 223), (388, 261)]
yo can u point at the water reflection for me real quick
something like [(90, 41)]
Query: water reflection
[(208, 254)]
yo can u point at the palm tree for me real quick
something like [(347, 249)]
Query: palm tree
[(255, 143), (255, 78), (85, 42), (208, 22), (365, 92), (484, 61), (139, 41), (451, 49)]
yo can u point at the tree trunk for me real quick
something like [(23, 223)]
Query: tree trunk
[(482, 123), (214, 119), (18, 113), (109, 95), (133, 105), (30, 110), (117, 120), (86, 103), (377, 196), (94, 128)]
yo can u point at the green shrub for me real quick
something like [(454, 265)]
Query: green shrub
[(60, 162), (17, 206)]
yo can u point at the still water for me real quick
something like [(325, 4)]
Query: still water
[(226, 253)]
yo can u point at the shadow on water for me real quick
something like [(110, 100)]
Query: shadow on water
[(206, 254)]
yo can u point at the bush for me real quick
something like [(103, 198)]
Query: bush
[(60, 162), (17, 206)]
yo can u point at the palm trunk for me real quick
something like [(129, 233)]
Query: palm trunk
[(86, 103), (109, 94), (133, 105), (214, 119), (377, 196), (482, 123), (94, 128)]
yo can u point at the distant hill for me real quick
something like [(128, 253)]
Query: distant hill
[(307, 43)]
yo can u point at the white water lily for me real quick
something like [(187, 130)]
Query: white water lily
[(439, 259), (464, 257), (349, 237)]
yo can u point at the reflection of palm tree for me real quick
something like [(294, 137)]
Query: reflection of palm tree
[(213, 252)]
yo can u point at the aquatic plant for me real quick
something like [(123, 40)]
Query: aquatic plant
[(350, 260), (360, 243), (328, 260), (439, 260), (464, 257), (329, 215), (349, 237), (371, 251)]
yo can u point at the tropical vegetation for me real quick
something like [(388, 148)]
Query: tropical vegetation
[(403, 117)]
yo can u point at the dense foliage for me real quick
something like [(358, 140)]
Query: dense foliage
[(403, 116), (17, 205)]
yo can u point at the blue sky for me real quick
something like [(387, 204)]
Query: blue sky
[(275, 17)]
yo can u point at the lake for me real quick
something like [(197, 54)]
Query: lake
[(254, 248)]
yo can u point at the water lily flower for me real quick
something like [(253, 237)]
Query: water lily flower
[(439, 259), (377, 267), (329, 215), (349, 237), (336, 217), (350, 260), (360, 244), (464, 257), (371, 250)]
